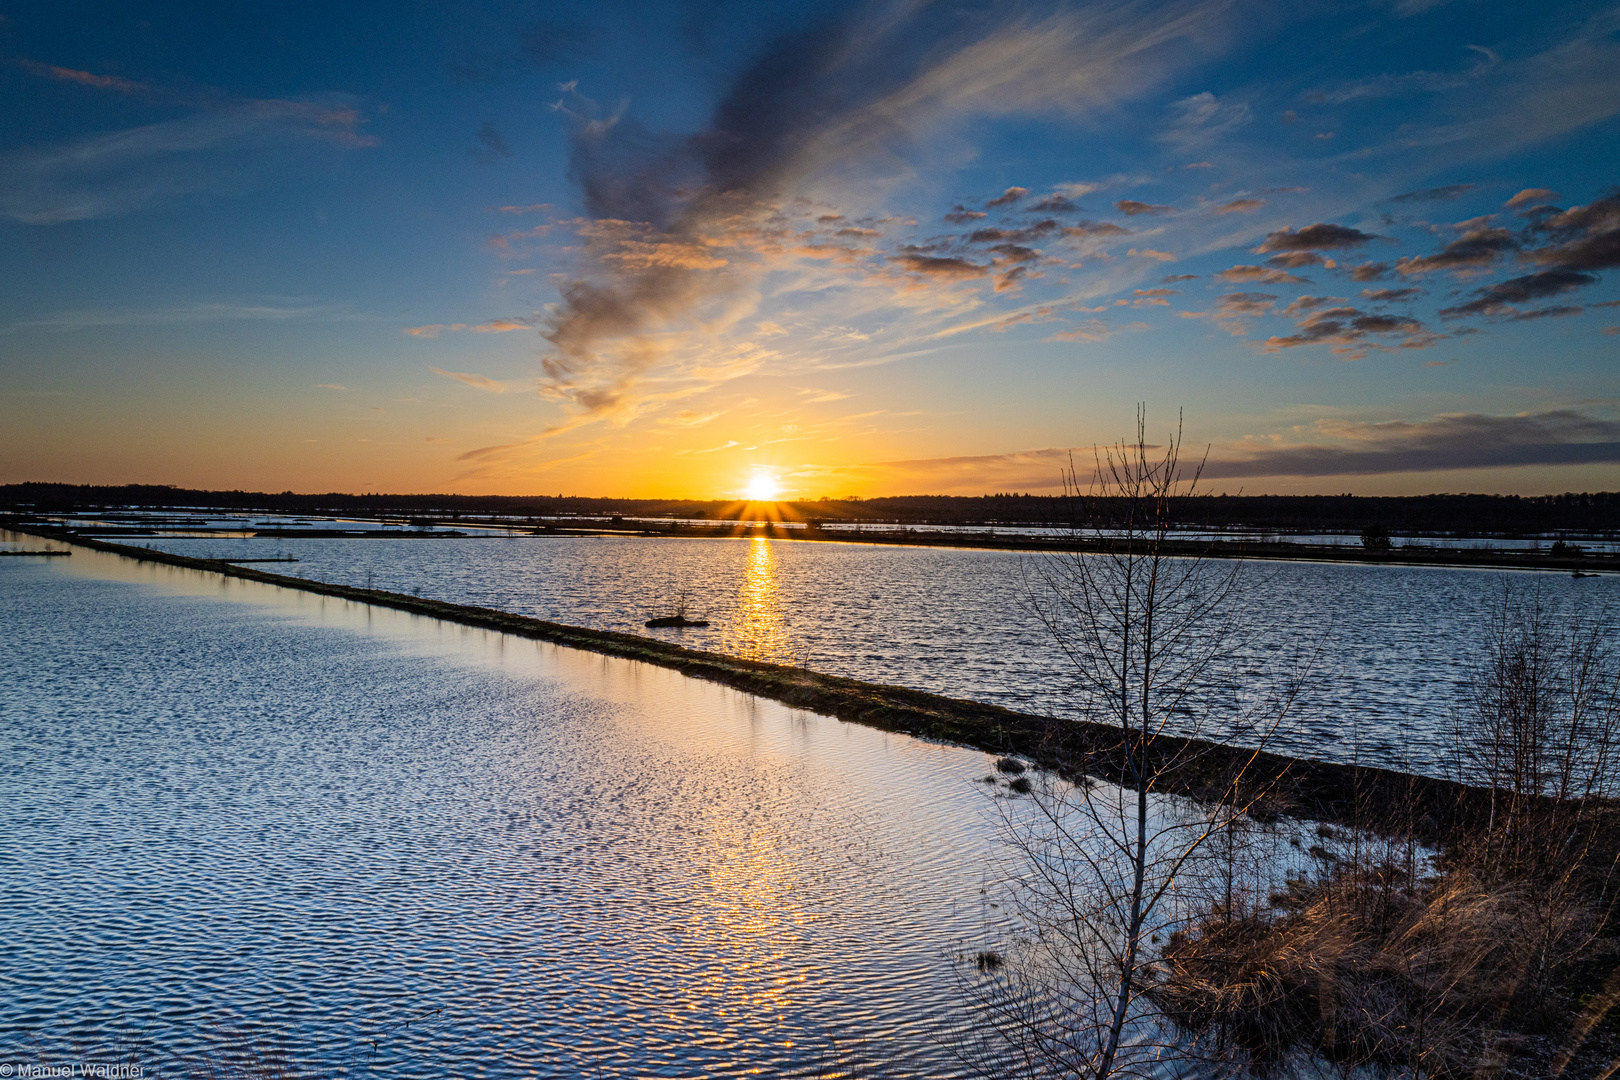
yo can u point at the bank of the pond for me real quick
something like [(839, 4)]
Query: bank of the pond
[(1302, 787)]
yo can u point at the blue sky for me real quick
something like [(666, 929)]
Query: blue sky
[(620, 249)]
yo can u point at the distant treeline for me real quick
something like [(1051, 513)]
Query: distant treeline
[(1471, 514)]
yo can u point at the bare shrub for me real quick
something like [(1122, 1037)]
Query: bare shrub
[(1164, 653)]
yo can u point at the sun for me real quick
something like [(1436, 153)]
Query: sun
[(762, 488)]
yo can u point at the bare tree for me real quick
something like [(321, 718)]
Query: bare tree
[(1163, 652)]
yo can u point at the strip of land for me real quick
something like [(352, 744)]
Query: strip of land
[(1316, 790)]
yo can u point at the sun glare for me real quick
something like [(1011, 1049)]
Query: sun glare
[(762, 488)]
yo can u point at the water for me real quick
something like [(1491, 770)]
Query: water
[(231, 809), (1396, 641)]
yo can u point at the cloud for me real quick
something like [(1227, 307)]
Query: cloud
[(219, 149), (1530, 195), (178, 314), (1474, 250), (1240, 206), (1434, 194), (1318, 237), (1586, 237), (85, 78), (1008, 197), (1412, 82), (1204, 118), (1369, 271), (682, 228), (1295, 260), (1231, 310), (1461, 441), (329, 386), (494, 145), (1346, 330), (1149, 253), (1261, 275), (496, 326), (935, 266), (1391, 296), (1131, 208), (478, 382), (1077, 190), (1053, 204), (1089, 229), (961, 215), (1173, 278), (1498, 300)]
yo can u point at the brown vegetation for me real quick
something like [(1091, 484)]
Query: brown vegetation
[(1497, 956)]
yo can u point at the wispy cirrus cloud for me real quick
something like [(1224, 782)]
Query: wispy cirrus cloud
[(494, 326), (221, 146), (477, 382)]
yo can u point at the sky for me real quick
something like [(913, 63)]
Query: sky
[(670, 249)]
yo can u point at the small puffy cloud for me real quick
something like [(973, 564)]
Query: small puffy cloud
[(961, 215), (1013, 279), (1498, 300), (1240, 206), (1149, 253), (1008, 197), (1369, 271), (940, 267), (1346, 330), (1173, 278), (1530, 195), (433, 330), (1295, 260), (1039, 229), (1086, 229), (1156, 292), (1053, 204), (1475, 249), (329, 386), (1131, 208), (1016, 253), (1318, 237), (1391, 296), (1244, 304), (1585, 237), (499, 326), (1309, 303), (479, 382), (1260, 275)]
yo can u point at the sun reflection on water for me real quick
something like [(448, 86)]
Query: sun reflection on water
[(759, 631)]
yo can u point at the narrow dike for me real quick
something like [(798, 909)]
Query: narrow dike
[(1380, 799)]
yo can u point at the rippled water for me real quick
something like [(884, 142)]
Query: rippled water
[(230, 807), (1396, 640)]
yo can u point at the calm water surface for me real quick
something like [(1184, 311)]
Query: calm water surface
[(234, 808), (1396, 640)]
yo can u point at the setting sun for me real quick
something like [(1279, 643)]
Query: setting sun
[(762, 488)]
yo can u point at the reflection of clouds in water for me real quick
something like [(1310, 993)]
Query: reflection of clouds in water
[(758, 630)]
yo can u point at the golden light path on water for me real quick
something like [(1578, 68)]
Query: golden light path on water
[(759, 631)]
